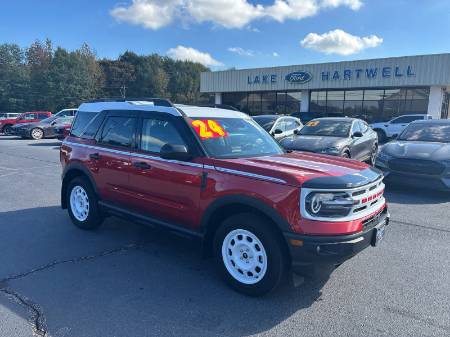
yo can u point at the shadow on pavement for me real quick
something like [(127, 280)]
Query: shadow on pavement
[(58, 144), (159, 285)]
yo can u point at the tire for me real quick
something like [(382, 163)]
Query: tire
[(261, 261), (37, 133), (7, 129), (346, 154), (373, 155), (82, 204), (381, 135)]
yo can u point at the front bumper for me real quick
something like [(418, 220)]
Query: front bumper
[(313, 250), (425, 181)]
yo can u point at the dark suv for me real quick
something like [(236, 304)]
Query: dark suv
[(217, 175)]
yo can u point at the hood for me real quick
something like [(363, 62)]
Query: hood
[(418, 150), (296, 168), (378, 125), (312, 143)]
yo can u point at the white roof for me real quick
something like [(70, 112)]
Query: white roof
[(127, 105), (197, 111)]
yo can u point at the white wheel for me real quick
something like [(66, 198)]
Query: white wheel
[(244, 256), (79, 203), (37, 133)]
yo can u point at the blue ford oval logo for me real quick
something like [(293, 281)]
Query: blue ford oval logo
[(299, 77)]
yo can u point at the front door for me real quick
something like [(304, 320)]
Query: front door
[(164, 189)]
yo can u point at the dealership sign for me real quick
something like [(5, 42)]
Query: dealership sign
[(299, 77), (302, 77)]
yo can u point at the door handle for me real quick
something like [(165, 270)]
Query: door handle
[(142, 165), (94, 156)]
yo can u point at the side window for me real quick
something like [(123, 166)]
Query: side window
[(355, 128), (406, 119), (156, 133), (28, 117), (281, 124), (363, 127), (86, 124), (42, 116), (118, 131), (291, 124)]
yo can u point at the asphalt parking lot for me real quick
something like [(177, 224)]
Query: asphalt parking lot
[(129, 280)]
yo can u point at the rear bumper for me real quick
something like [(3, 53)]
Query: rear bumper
[(312, 250)]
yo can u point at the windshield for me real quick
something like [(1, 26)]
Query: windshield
[(426, 132), (333, 128), (265, 121), (234, 137)]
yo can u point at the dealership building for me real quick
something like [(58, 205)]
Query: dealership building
[(375, 90)]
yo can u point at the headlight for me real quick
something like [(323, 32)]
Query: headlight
[(383, 156), (329, 205), (330, 150)]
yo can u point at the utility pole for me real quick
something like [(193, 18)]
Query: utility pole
[(123, 91)]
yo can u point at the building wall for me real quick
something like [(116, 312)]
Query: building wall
[(424, 70)]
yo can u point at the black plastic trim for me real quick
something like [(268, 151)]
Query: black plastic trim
[(363, 177), (74, 166), (125, 213)]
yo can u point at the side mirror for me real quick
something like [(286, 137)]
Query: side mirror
[(394, 136), (175, 152), (277, 132), (357, 134), (296, 131)]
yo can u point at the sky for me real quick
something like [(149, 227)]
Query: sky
[(223, 34)]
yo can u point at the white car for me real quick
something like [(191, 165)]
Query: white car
[(8, 115), (279, 126), (394, 127)]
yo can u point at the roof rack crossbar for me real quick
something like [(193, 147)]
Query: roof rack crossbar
[(156, 101)]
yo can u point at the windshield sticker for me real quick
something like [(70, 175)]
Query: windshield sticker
[(209, 128), (313, 123)]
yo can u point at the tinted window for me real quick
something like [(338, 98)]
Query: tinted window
[(86, 124), (156, 133), (29, 117), (325, 127), (118, 131), (42, 116), (265, 122), (281, 125), (406, 119), (427, 132), (356, 128)]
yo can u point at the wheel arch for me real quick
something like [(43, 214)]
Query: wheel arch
[(70, 172), (222, 208)]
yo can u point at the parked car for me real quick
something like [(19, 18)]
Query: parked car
[(62, 131), (419, 156), (27, 117), (394, 127), (44, 128), (278, 126), (8, 115), (343, 137), (217, 175)]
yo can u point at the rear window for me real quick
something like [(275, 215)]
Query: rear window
[(86, 124)]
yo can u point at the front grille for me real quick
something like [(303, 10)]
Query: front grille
[(419, 166), (374, 220)]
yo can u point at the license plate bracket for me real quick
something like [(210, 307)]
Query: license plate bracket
[(378, 234)]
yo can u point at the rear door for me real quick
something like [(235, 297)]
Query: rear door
[(164, 189), (110, 159)]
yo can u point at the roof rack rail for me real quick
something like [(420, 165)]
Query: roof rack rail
[(156, 101)]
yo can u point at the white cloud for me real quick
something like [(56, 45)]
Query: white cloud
[(190, 54), (154, 14), (339, 42), (241, 51), (275, 54)]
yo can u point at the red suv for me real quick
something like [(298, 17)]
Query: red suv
[(217, 175), (27, 117)]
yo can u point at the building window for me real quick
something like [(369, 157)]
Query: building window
[(293, 100), (281, 103), (236, 99), (254, 104), (372, 105), (268, 103)]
